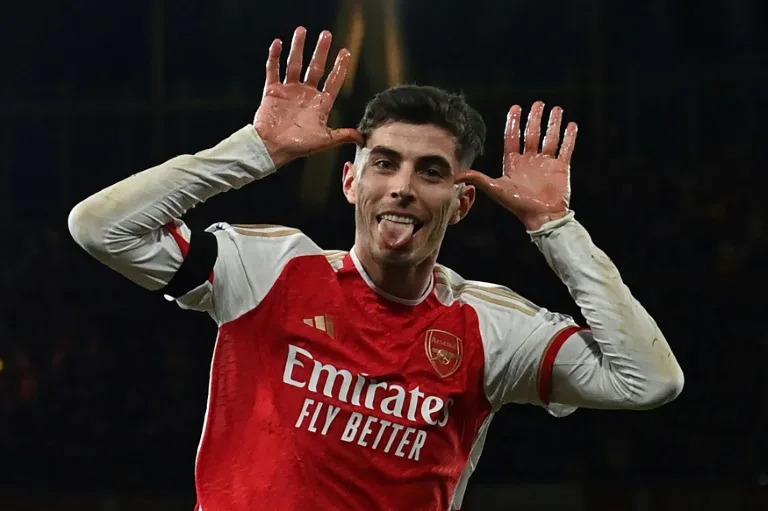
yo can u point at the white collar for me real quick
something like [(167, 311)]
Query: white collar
[(381, 292)]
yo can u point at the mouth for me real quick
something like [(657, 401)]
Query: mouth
[(400, 218)]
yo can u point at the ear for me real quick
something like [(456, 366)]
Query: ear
[(348, 182), (466, 199)]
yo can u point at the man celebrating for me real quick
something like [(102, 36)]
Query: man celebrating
[(367, 379)]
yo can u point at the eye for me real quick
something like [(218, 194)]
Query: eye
[(432, 174), (383, 164)]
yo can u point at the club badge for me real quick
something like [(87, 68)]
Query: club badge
[(444, 351)]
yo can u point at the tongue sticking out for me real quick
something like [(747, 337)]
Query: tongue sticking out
[(395, 235)]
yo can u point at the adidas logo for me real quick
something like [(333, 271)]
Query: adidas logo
[(324, 323)]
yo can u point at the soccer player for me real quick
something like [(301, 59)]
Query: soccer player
[(367, 379)]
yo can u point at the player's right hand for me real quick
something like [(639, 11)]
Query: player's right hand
[(292, 119)]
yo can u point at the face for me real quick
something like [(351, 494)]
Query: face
[(404, 191)]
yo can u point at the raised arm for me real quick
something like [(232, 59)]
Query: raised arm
[(623, 359), (134, 226)]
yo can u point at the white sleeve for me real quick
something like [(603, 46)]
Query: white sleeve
[(250, 260), (623, 361), (128, 225), (516, 336)]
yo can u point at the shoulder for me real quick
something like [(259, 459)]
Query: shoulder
[(269, 248), (486, 298), (514, 333), (252, 258), (503, 315), (265, 238), (255, 230)]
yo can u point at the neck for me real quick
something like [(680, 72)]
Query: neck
[(404, 281)]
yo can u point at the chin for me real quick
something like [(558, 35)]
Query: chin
[(389, 256), (409, 256)]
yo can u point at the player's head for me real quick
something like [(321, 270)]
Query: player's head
[(402, 182)]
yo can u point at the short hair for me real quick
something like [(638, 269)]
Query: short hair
[(421, 104)]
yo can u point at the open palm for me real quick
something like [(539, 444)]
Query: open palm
[(534, 185), (292, 119)]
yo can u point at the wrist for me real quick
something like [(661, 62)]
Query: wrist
[(535, 222), (277, 152)]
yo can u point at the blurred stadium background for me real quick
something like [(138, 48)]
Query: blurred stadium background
[(103, 386)]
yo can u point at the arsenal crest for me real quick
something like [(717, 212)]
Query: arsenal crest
[(444, 351)]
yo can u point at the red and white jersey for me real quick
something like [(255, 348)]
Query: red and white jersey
[(327, 393)]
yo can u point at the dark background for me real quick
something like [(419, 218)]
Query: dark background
[(103, 385)]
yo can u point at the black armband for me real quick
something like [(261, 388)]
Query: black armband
[(197, 265)]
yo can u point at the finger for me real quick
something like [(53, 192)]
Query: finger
[(273, 62), (512, 130), (533, 128), (549, 147), (317, 64), (569, 141), (346, 136), (293, 70), (336, 77), (473, 177)]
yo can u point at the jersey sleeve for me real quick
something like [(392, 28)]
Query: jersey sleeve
[(250, 260), (624, 360), (135, 226), (621, 361), (521, 342)]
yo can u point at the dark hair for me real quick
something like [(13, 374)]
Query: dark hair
[(419, 104)]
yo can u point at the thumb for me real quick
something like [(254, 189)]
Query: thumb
[(346, 136), (476, 178)]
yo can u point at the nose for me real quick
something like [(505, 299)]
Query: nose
[(400, 185)]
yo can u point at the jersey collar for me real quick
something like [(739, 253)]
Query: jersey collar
[(381, 292)]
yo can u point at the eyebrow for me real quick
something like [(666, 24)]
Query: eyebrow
[(429, 159)]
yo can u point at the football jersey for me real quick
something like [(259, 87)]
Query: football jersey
[(328, 393)]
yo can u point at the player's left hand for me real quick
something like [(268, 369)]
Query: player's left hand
[(534, 185)]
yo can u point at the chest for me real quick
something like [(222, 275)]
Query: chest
[(330, 329)]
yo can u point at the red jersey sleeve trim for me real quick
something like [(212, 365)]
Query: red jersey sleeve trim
[(183, 244), (548, 361)]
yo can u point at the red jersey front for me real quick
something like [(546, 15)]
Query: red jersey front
[(326, 393)]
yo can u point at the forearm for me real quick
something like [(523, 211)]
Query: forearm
[(122, 225), (633, 366)]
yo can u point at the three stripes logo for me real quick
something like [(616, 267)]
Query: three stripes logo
[(324, 323)]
